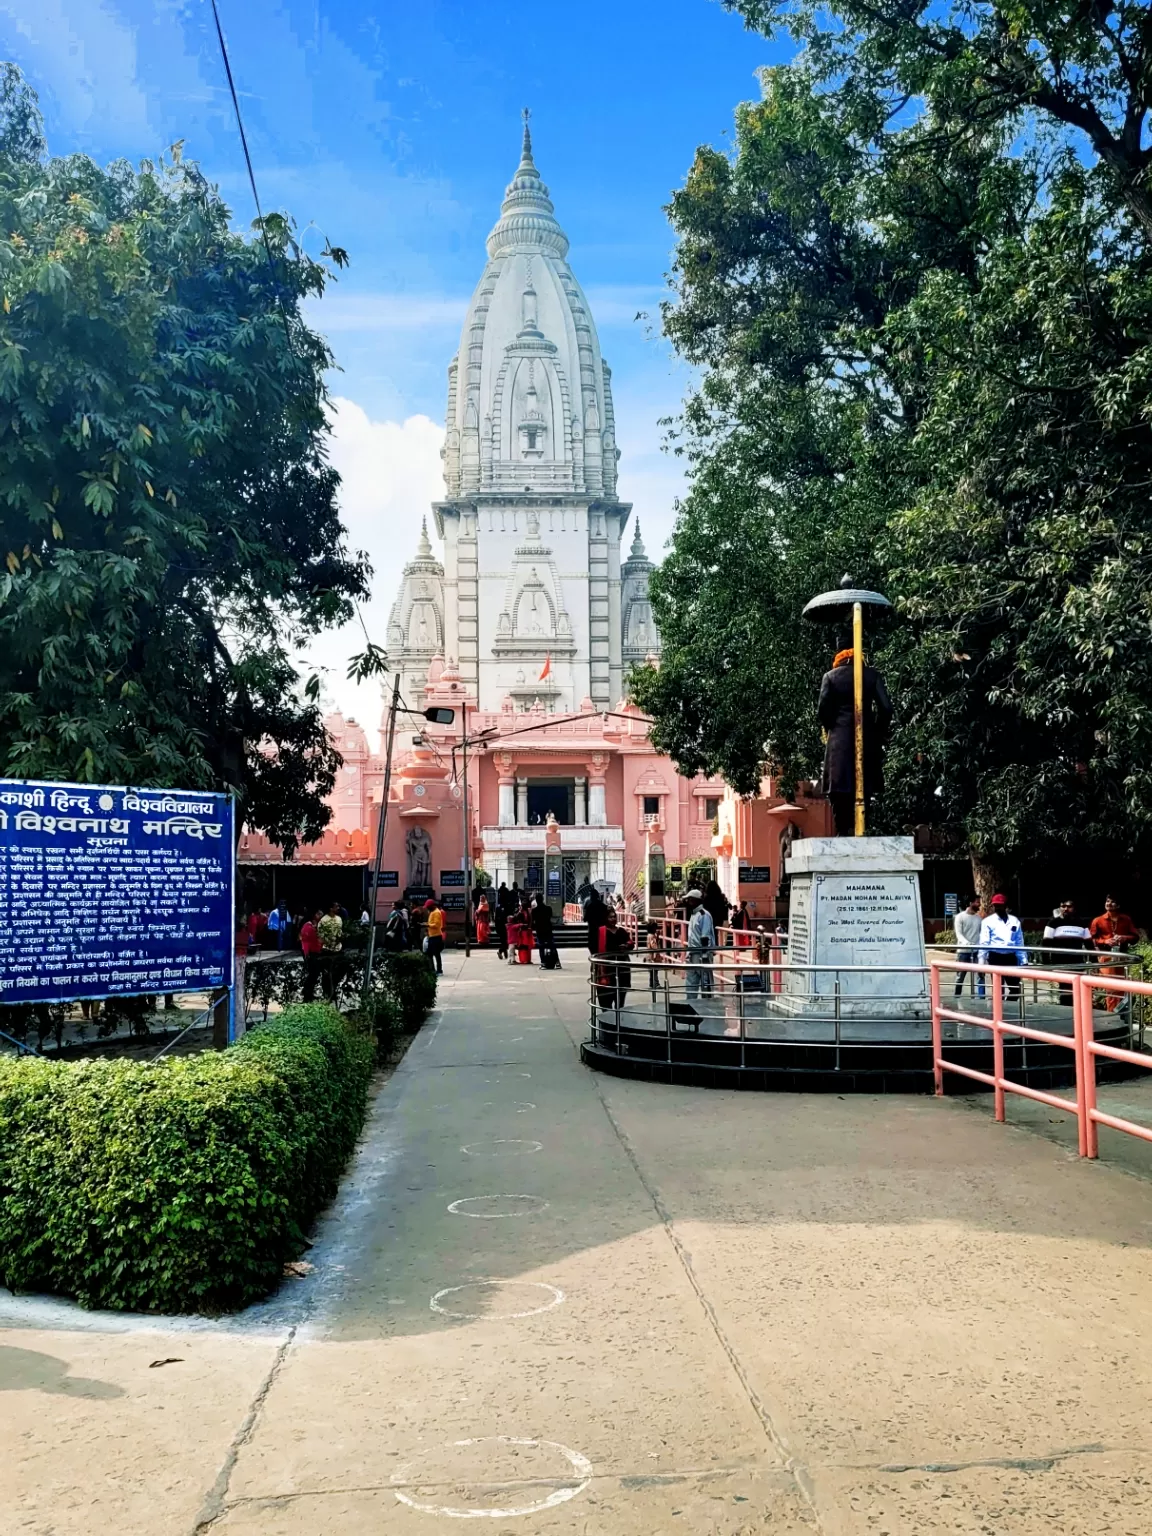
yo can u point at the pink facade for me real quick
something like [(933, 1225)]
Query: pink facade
[(594, 772), (753, 837)]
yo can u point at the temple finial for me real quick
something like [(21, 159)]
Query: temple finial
[(526, 148)]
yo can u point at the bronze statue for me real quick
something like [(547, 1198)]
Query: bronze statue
[(837, 716)]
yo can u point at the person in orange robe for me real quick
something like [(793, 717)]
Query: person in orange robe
[(1112, 933)]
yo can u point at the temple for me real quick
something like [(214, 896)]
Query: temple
[(530, 622)]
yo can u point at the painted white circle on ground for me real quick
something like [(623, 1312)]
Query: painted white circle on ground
[(496, 1300), (503, 1146), (492, 1207), (492, 1478)]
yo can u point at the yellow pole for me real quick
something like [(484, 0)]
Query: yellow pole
[(858, 709)]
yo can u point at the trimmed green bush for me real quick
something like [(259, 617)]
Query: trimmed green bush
[(381, 1014), (181, 1186), (412, 982)]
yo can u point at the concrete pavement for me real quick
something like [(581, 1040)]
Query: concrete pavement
[(556, 1302)]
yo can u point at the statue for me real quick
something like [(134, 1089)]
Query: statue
[(854, 710), (837, 717), (419, 850)]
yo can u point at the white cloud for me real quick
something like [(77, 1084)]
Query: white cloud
[(391, 474)]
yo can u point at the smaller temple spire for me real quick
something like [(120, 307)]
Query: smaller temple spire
[(638, 550), (424, 548)]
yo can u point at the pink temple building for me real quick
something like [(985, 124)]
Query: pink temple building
[(589, 780)]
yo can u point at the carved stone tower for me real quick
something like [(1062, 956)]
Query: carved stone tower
[(532, 524)]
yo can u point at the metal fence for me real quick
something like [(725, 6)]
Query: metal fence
[(730, 994), (1084, 988)]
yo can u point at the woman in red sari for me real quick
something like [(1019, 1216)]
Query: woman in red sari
[(483, 920), (523, 935)]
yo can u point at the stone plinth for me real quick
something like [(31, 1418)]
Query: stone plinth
[(855, 901)]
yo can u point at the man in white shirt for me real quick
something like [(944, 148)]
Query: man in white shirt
[(1002, 942), (701, 943), (966, 927)]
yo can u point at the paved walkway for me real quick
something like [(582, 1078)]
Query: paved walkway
[(561, 1303)]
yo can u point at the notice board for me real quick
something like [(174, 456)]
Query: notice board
[(113, 892)]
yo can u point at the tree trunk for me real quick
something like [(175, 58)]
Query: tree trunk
[(987, 878)]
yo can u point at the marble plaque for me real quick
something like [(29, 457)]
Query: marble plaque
[(869, 920), (855, 908)]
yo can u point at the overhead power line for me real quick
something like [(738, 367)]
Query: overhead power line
[(251, 175)]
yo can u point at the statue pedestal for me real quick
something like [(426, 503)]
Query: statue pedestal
[(855, 901)]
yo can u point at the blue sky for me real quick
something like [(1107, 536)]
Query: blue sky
[(393, 130)]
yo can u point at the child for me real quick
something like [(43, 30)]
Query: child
[(652, 945)]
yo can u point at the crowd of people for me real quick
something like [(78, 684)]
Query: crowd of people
[(706, 911), (516, 922), (997, 938)]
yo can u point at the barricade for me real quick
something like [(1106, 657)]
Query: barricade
[(999, 1027), (1091, 1048), (1083, 1043)]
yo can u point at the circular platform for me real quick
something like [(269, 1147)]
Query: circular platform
[(775, 1054)]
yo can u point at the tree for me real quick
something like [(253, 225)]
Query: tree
[(1024, 566), (168, 523), (1084, 69), (792, 260), (924, 362)]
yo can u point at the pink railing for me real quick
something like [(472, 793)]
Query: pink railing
[(1091, 1048), (1082, 1043)]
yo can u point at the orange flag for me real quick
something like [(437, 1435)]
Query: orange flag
[(546, 669)]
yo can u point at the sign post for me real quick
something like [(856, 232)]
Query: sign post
[(107, 891)]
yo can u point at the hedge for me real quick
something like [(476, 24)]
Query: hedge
[(182, 1186), (412, 981)]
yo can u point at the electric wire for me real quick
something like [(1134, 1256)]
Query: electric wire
[(252, 176), (260, 216)]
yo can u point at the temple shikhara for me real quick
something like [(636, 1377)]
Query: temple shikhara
[(529, 623)]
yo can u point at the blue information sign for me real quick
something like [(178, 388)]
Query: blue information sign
[(112, 892)]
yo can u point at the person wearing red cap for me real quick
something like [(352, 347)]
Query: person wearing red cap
[(1002, 942)]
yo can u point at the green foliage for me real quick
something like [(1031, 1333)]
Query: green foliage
[(381, 1013), (1079, 70), (921, 326), (412, 981), (402, 992), (169, 538), (181, 1186)]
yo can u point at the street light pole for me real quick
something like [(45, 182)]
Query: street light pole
[(467, 844), (380, 833), (858, 708)]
